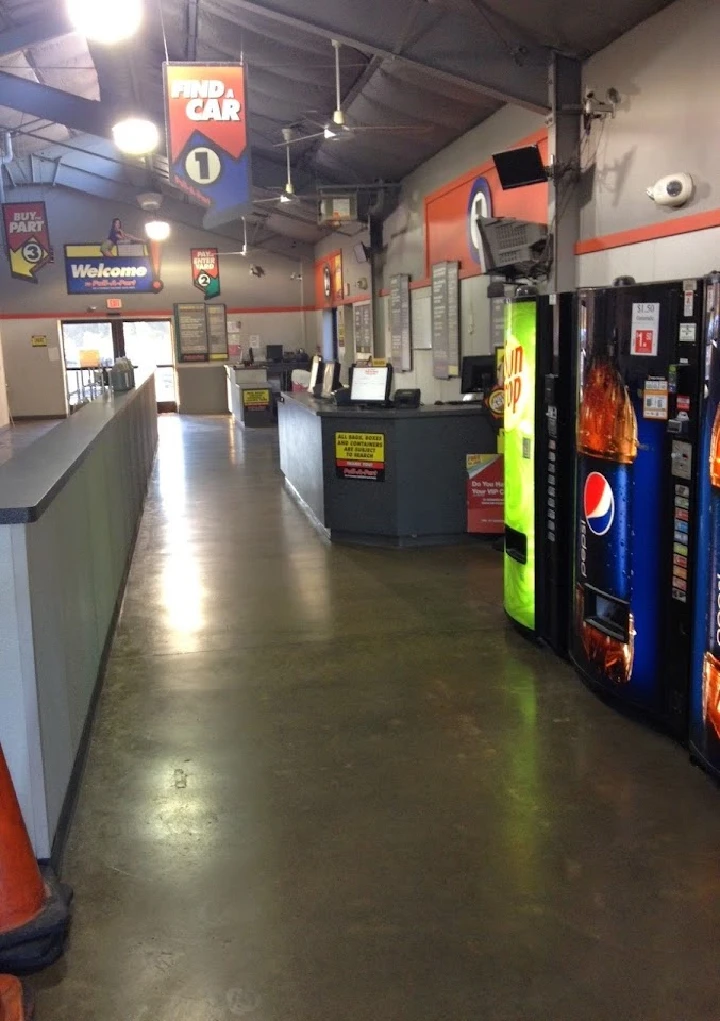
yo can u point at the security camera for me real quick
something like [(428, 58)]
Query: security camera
[(257, 271), (296, 276), (674, 190)]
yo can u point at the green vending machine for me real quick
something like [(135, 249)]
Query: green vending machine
[(539, 449)]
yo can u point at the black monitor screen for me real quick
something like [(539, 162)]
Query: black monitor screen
[(274, 352), (479, 374), (519, 167), (315, 370), (370, 384)]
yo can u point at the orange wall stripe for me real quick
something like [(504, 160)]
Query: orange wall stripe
[(653, 231)]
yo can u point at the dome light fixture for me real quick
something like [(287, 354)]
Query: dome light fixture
[(105, 22), (136, 136), (157, 230)]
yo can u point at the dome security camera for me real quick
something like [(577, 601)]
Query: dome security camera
[(674, 190)]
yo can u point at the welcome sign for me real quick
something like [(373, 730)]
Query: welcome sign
[(133, 270)]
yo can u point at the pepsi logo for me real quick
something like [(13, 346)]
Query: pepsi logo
[(598, 503)]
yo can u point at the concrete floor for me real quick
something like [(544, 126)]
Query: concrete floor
[(331, 785)]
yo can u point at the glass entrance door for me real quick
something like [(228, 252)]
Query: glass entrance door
[(148, 343)]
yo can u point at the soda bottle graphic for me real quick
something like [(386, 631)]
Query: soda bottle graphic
[(607, 448), (711, 660)]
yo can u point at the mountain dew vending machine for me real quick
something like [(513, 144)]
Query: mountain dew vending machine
[(539, 436)]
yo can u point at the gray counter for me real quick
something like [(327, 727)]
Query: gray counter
[(69, 509), (412, 495)]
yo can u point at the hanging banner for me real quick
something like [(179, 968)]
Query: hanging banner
[(27, 239), (205, 264), (206, 123), (122, 263)]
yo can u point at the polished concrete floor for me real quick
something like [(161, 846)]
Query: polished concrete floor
[(331, 785)]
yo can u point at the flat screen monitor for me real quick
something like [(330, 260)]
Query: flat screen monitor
[(315, 373), (519, 167), (479, 374), (370, 385), (274, 353), (331, 378)]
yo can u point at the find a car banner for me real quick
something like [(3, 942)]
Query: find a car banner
[(205, 264), (207, 139), (27, 239), (120, 264)]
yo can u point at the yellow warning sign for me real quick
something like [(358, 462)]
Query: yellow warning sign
[(256, 399), (360, 456)]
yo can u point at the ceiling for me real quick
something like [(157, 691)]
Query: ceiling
[(425, 71)]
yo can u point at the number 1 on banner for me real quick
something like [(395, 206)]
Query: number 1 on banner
[(202, 166)]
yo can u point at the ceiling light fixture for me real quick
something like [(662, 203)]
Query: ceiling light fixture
[(136, 136), (285, 198), (105, 22), (329, 133), (157, 230)]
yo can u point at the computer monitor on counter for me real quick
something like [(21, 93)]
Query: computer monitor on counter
[(370, 384)]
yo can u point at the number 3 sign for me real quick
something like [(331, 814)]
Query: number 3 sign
[(206, 122)]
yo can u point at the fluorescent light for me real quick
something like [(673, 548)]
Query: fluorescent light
[(329, 133), (157, 230), (136, 136), (104, 21)]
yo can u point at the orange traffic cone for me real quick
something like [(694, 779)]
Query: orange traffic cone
[(34, 907), (15, 1000)]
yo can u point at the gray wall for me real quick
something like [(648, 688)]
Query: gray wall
[(35, 376), (666, 71)]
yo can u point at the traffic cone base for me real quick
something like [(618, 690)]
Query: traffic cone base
[(40, 941), (15, 1000), (34, 906)]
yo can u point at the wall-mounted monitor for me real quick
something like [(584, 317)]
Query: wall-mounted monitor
[(370, 384), (518, 168)]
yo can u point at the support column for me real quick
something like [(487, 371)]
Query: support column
[(564, 128)]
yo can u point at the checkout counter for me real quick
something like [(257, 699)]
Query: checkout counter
[(382, 476)]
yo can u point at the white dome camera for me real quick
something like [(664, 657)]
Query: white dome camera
[(673, 190)]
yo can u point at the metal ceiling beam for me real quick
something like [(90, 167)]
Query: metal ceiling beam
[(442, 43), (50, 104), (32, 33)]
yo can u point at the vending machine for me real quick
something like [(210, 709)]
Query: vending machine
[(705, 679), (538, 447), (638, 413)]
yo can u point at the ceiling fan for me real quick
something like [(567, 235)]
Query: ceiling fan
[(338, 128), (288, 193)]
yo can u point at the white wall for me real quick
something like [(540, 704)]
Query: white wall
[(404, 249), (666, 71), (35, 380)]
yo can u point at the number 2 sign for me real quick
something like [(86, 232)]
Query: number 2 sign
[(206, 122)]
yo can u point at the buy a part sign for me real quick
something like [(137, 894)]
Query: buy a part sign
[(360, 456), (206, 122)]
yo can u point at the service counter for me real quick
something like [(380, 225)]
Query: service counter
[(70, 504), (386, 476)]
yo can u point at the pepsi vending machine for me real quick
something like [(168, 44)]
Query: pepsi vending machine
[(538, 455), (705, 681), (638, 412)]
